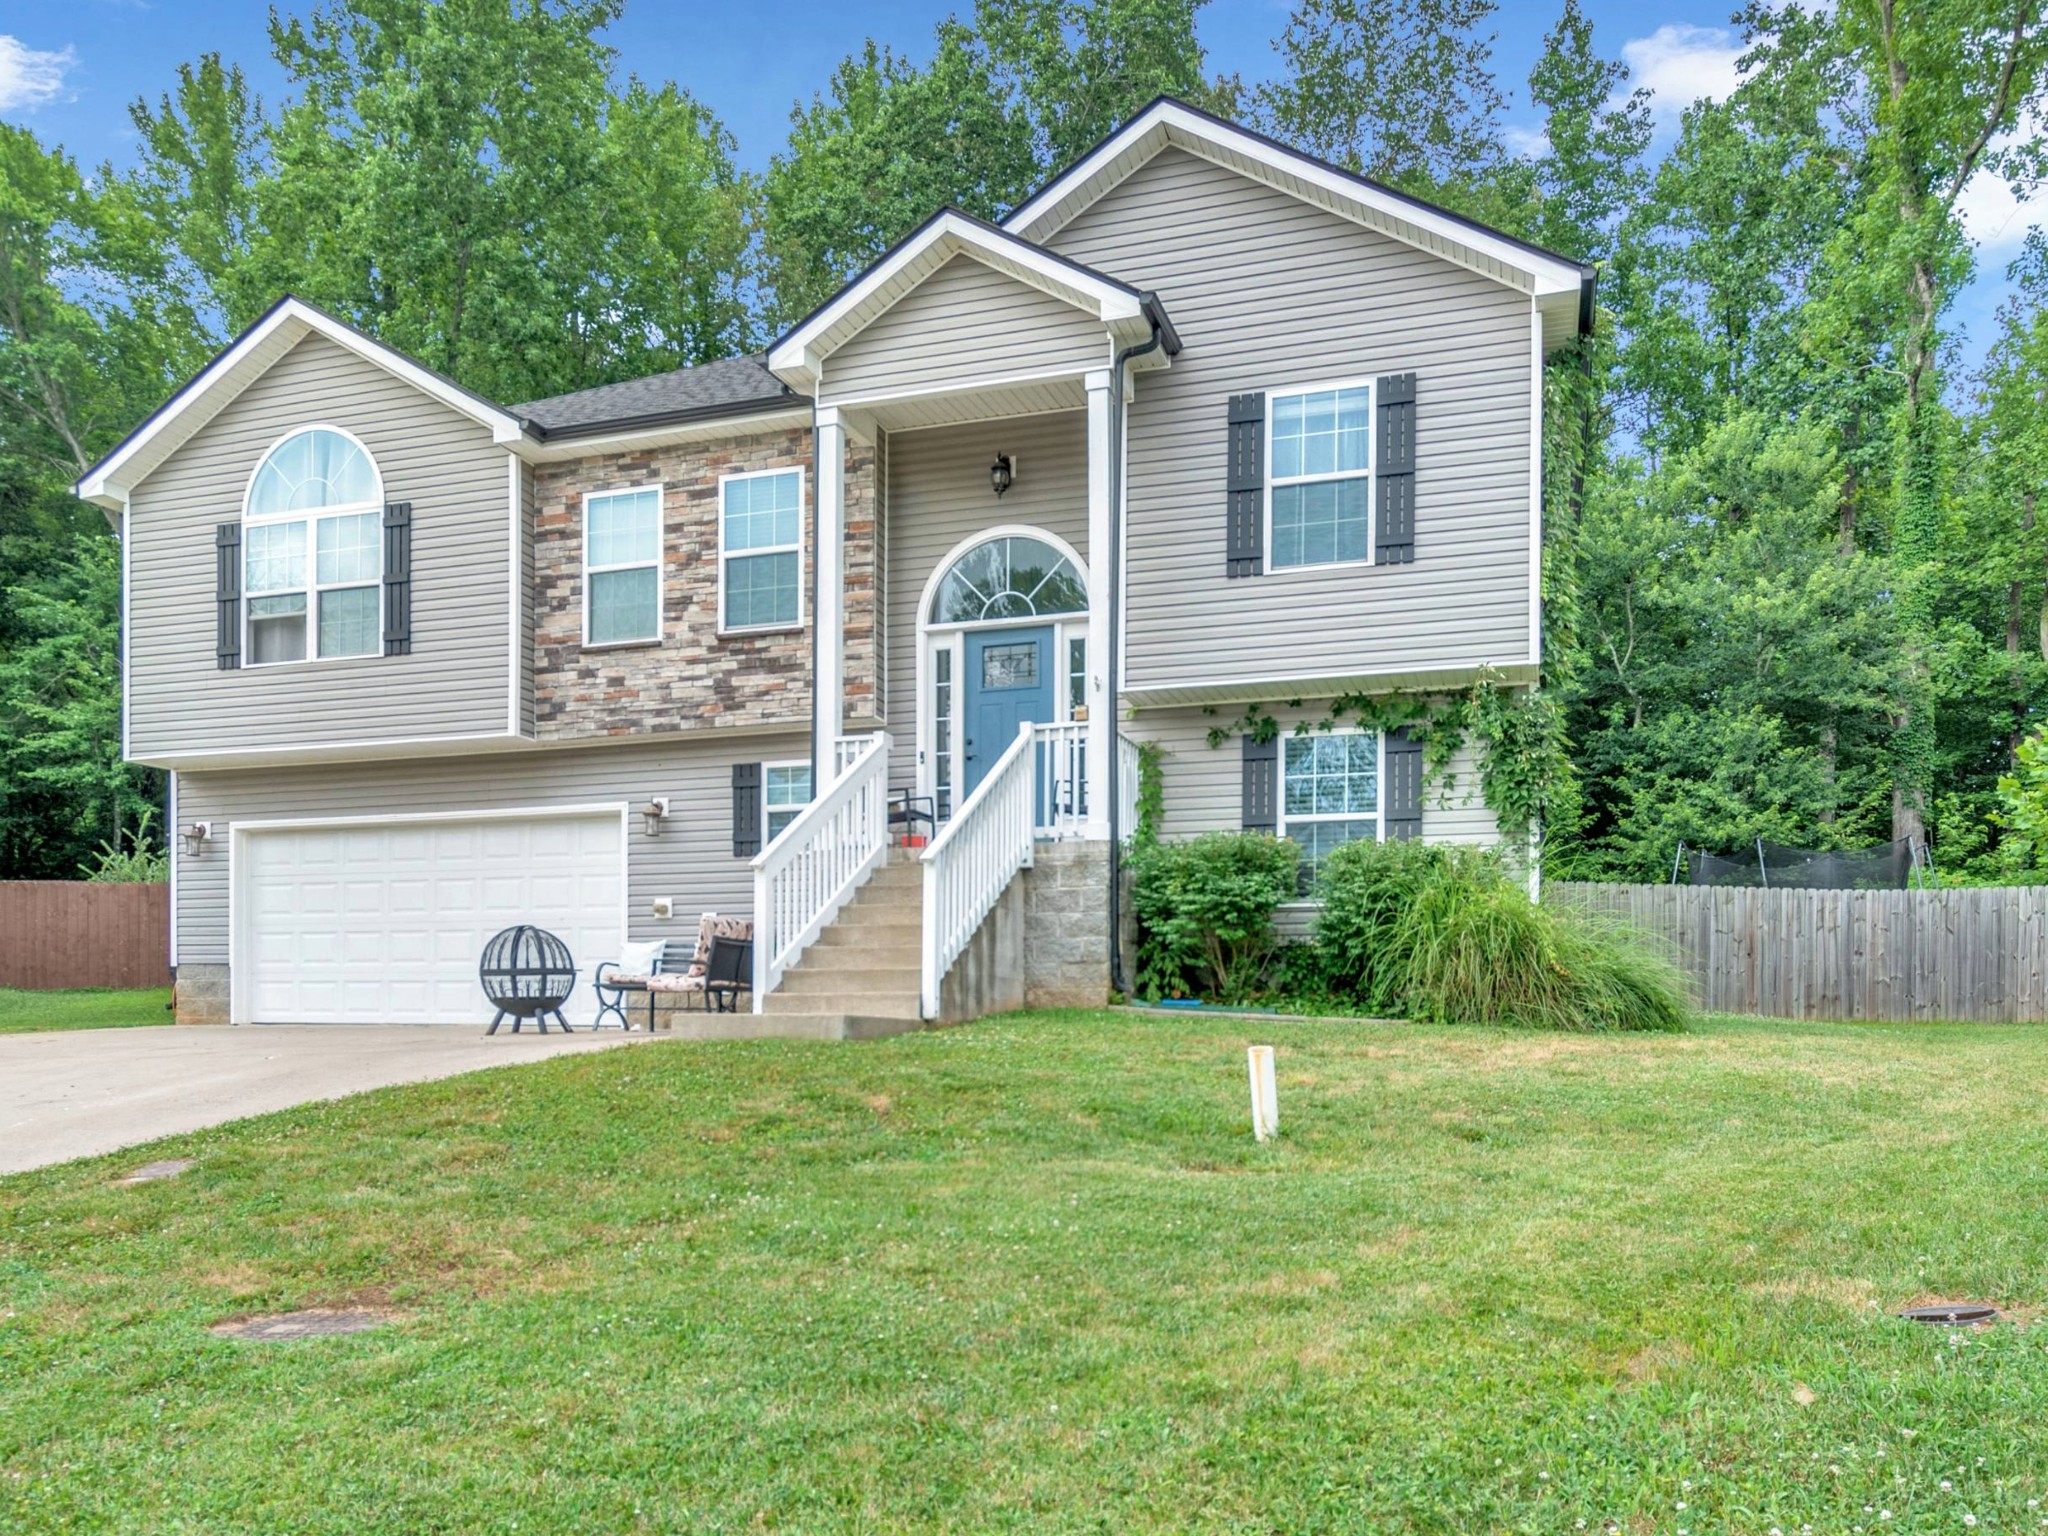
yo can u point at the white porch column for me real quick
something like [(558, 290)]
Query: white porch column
[(828, 605), (1100, 695)]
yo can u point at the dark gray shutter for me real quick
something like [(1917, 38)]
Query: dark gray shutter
[(1394, 537), (1246, 552), (398, 578), (746, 810), (1261, 785), (1404, 786), (227, 596)]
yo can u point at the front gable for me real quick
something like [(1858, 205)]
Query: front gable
[(966, 322)]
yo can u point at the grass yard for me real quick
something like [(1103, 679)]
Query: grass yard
[(1033, 1275), (92, 1008)]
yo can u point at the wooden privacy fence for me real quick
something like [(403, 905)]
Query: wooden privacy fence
[(1796, 954), (74, 933)]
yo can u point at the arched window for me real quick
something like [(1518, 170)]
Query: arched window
[(313, 550), (1014, 577)]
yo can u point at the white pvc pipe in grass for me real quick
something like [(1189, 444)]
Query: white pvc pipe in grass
[(1265, 1093)]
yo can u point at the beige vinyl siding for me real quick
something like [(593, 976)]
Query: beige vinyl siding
[(1268, 292), (455, 682), (1204, 785), (965, 324), (691, 861), (938, 495)]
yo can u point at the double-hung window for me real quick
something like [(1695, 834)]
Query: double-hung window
[(1330, 793), (1320, 476), (785, 790), (622, 566), (760, 550), (313, 551)]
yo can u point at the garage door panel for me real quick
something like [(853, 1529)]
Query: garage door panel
[(386, 924)]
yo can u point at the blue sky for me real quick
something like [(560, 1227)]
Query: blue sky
[(68, 68)]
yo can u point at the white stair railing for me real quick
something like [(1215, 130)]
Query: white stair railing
[(973, 859), (809, 872), (1062, 800)]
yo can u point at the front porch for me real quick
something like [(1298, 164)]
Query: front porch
[(984, 379)]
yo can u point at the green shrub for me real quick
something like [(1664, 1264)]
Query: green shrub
[(1449, 935), (1205, 912)]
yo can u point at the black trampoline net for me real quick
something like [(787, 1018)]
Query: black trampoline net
[(1889, 866)]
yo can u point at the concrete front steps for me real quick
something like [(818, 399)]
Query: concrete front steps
[(859, 981)]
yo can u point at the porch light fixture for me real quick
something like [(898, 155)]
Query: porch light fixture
[(195, 836), (654, 813), (1002, 473)]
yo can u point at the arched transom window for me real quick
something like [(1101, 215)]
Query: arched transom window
[(313, 550), (1014, 577)]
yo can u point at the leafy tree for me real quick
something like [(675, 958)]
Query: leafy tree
[(1079, 68), (65, 788), (1589, 170), (1402, 92), (460, 180), (884, 147)]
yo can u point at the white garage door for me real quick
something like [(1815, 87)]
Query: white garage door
[(385, 924)]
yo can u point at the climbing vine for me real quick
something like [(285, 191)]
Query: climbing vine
[(1151, 794)]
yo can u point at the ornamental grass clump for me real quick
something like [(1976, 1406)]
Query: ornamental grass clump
[(1449, 935)]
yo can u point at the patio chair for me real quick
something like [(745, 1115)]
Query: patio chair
[(689, 983), (633, 972), (906, 810), (729, 973)]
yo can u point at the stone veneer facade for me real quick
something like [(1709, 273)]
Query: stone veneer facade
[(692, 676)]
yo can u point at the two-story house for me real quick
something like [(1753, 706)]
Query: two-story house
[(1204, 422)]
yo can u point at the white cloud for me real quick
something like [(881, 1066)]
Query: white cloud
[(1681, 63), (28, 76), (1530, 142), (1989, 211)]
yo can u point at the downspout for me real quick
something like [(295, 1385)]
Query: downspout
[(1118, 979), (818, 575)]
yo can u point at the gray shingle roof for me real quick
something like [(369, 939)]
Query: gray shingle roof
[(732, 386)]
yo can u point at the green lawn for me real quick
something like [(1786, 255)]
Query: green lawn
[(1033, 1275), (92, 1008)]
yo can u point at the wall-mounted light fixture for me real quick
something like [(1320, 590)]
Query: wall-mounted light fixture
[(196, 835), (1002, 474), (654, 813)]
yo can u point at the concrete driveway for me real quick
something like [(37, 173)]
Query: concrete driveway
[(76, 1093)]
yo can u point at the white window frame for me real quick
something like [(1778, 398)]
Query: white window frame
[(724, 557), (1379, 816), (659, 561), (313, 586), (804, 763), (1370, 474)]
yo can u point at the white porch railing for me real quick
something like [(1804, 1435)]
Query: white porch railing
[(1126, 786), (974, 858), (845, 749), (1062, 798), (807, 874)]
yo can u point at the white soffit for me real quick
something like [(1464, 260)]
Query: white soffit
[(242, 363), (796, 358)]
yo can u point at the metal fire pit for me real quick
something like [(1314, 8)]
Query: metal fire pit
[(527, 973)]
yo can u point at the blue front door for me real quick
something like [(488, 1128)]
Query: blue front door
[(1009, 681)]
